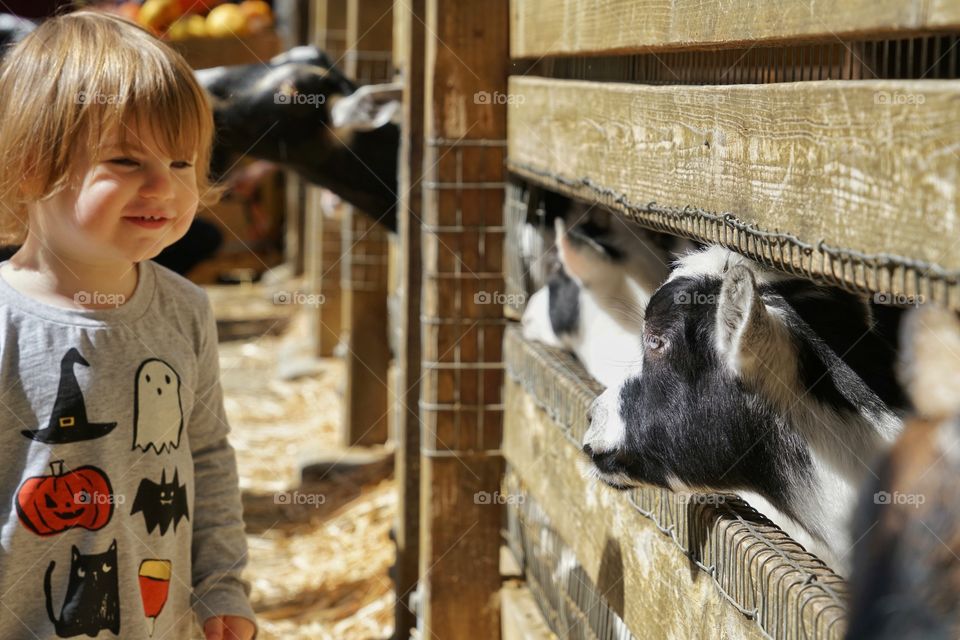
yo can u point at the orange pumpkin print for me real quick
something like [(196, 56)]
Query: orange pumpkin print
[(51, 504)]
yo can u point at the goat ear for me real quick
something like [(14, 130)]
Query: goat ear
[(584, 260), (743, 324), (369, 107), (930, 361)]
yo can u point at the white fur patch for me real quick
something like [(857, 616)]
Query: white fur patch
[(715, 260)]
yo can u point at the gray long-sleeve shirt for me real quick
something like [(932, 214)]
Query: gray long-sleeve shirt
[(119, 504)]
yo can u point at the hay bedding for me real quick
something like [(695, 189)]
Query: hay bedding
[(318, 569)]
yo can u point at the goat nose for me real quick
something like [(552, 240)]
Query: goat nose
[(587, 449)]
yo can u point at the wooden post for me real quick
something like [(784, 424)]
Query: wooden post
[(364, 279), (293, 24), (322, 251), (364, 285), (409, 16), (462, 326)]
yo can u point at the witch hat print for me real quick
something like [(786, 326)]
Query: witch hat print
[(68, 422)]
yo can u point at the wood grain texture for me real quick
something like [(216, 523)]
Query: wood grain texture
[(551, 27), (462, 252), (870, 165), (638, 568), (409, 56)]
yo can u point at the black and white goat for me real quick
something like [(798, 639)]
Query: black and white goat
[(302, 113), (906, 570), (755, 382), (592, 305)]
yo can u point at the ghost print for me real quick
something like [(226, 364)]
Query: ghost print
[(157, 413)]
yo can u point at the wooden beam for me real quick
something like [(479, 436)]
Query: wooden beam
[(363, 282), (463, 240), (869, 166), (547, 27), (365, 264), (409, 48)]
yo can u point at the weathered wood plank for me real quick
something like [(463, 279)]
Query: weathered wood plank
[(870, 166), (547, 27)]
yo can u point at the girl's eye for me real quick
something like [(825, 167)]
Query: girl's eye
[(654, 343), (124, 162), (181, 164)]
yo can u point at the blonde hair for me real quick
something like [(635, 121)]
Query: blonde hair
[(77, 77)]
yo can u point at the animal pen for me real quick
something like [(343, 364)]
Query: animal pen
[(818, 140)]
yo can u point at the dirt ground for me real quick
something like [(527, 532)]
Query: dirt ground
[(319, 552)]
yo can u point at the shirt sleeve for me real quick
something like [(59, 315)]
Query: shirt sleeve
[(219, 552)]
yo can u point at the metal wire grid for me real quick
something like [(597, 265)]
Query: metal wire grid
[(462, 318), (516, 274), (765, 574), (845, 268), (365, 263), (569, 600), (933, 57)]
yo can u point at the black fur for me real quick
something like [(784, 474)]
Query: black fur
[(563, 303)]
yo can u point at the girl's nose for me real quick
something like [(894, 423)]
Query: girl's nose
[(158, 184)]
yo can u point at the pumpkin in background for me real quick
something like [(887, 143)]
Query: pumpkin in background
[(48, 505)]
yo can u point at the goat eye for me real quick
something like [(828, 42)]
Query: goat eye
[(654, 343)]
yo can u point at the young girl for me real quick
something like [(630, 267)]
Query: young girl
[(119, 505)]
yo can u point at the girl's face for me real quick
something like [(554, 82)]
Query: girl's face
[(121, 207)]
